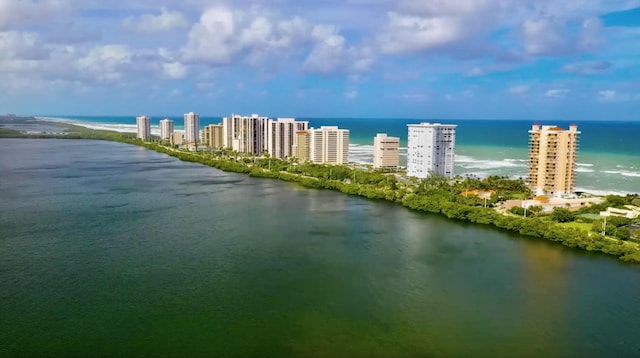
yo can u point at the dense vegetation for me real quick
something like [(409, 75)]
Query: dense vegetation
[(435, 194)]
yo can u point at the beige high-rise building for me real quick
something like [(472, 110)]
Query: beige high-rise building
[(214, 135), (329, 144), (552, 159), (143, 124), (177, 138), (245, 134), (301, 148), (385, 151), (166, 128), (191, 127), (281, 136)]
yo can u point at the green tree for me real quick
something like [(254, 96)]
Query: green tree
[(562, 215)]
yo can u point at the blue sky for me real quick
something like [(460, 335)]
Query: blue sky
[(519, 59)]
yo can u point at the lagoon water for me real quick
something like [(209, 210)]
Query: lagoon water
[(112, 250)]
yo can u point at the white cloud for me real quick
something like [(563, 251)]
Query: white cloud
[(22, 46), (14, 13), (106, 63), (606, 95), (557, 93), (407, 34), (175, 70), (329, 50), (165, 21), (352, 94), (587, 68), (519, 89)]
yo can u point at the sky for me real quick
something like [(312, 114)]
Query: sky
[(440, 59)]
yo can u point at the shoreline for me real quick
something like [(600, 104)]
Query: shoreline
[(433, 199), (474, 166)]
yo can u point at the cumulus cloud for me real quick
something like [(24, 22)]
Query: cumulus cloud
[(106, 63), (15, 13), (149, 23), (224, 36), (175, 70), (548, 35)]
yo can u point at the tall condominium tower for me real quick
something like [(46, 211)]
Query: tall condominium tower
[(166, 129), (431, 149), (329, 144), (144, 127), (214, 135), (281, 136), (191, 127), (301, 148), (385, 151), (245, 134), (552, 159)]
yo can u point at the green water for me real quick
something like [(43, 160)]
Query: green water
[(111, 250)]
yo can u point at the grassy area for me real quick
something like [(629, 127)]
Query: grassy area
[(582, 226)]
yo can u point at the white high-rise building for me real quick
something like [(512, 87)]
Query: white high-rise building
[(144, 127), (329, 144), (385, 151), (191, 128), (281, 136), (166, 129), (431, 149), (245, 134)]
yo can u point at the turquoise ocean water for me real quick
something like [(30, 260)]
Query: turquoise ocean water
[(608, 160)]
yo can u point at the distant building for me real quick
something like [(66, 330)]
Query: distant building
[(166, 129), (177, 138), (385, 151), (329, 144), (281, 136), (302, 146), (143, 123), (214, 135), (245, 134), (431, 149), (552, 159), (191, 127)]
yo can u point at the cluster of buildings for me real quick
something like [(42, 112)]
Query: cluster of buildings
[(430, 146), (256, 135)]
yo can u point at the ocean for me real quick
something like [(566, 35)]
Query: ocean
[(608, 158), (113, 250)]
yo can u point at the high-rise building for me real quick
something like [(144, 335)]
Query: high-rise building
[(552, 159), (166, 129), (385, 151), (431, 149), (281, 136), (177, 138), (191, 127), (302, 146), (329, 144), (214, 135), (245, 134), (144, 127)]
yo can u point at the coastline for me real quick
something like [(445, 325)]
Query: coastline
[(435, 199), (596, 173)]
